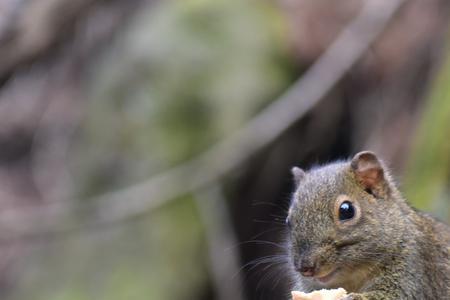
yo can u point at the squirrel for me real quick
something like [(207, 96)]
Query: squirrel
[(349, 227)]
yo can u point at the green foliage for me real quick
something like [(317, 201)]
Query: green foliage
[(429, 170), (185, 75)]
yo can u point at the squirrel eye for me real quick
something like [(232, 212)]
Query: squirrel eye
[(346, 211), (288, 223)]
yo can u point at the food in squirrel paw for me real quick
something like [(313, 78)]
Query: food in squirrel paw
[(334, 294)]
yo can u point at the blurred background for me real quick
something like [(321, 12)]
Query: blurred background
[(145, 145)]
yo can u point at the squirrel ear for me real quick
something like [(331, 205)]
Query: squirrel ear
[(368, 169), (298, 174)]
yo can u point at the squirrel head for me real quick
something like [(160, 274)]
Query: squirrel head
[(340, 220)]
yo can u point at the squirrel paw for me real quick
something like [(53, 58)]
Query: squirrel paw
[(352, 296)]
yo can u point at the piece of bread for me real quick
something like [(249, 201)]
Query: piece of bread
[(335, 294)]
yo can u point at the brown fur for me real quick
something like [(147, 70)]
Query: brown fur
[(390, 251)]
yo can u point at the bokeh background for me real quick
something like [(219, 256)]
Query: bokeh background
[(142, 155)]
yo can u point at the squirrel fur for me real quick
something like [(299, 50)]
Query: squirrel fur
[(350, 227)]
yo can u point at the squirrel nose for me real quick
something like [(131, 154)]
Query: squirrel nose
[(307, 268)]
